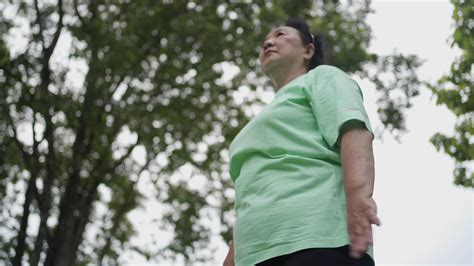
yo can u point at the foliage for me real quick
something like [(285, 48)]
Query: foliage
[(455, 91)]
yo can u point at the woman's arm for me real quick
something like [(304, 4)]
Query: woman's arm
[(229, 259), (358, 168)]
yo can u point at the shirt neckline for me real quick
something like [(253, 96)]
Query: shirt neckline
[(289, 83)]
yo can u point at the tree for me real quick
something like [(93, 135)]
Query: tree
[(455, 91), (152, 73)]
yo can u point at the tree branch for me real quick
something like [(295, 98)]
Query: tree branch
[(120, 213), (31, 187), (86, 207), (76, 11), (21, 238), (125, 156), (49, 135), (50, 49), (39, 22), (35, 142)]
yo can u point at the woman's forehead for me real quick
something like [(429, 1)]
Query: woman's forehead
[(282, 28)]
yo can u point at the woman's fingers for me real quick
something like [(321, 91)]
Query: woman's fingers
[(362, 213), (359, 243), (361, 237), (374, 219), (357, 248)]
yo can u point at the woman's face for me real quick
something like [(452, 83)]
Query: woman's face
[(282, 48)]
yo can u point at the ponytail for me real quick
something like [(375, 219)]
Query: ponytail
[(319, 56), (318, 40)]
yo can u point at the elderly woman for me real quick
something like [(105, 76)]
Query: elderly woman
[(303, 168)]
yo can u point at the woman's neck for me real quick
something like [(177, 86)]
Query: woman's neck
[(281, 78)]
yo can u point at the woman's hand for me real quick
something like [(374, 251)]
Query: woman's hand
[(361, 214)]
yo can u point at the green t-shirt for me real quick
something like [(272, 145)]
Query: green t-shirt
[(286, 168)]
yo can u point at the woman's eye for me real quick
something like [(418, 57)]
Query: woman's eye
[(278, 34)]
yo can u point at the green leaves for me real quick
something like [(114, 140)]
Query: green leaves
[(455, 91), (396, 82)]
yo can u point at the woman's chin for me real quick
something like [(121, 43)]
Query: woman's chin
[(269, 66)]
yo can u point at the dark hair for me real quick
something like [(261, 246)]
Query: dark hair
[(318, 40)]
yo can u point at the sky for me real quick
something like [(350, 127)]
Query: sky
[(425, 218)]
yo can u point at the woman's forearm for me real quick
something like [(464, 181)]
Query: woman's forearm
[(358, 170), (229, 259), (358, 161)]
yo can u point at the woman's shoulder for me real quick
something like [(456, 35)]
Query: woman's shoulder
[(326, 76), (327, 70)]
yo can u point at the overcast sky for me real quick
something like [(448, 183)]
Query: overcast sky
[(426, 220)]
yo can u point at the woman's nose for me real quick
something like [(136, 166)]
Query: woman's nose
[(267, 43)]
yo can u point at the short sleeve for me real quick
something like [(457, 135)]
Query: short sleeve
[(335, 99)]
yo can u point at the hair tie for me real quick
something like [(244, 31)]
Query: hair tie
[(312, 37)]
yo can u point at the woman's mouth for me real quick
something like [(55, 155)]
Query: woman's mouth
[(268, 52)]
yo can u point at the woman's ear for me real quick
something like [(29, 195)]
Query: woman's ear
[(309, 51)]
